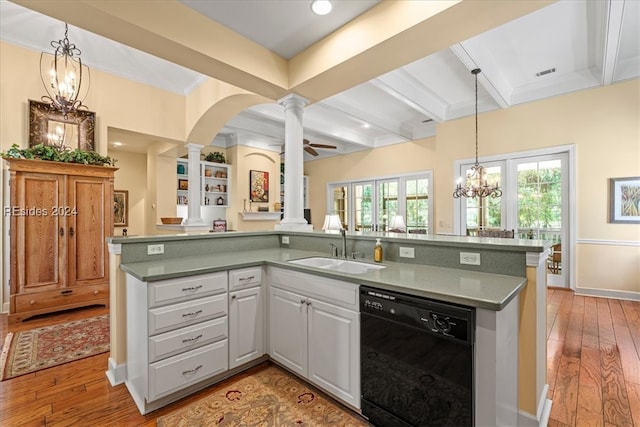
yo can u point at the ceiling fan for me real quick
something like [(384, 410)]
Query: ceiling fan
[(310, 147)]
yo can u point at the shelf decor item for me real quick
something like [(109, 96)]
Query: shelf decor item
[(215, 157), (624, 200), (183, 184), (219, 225), (258, 186), (171, 220)]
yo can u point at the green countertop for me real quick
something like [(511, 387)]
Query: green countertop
[(474, 289)]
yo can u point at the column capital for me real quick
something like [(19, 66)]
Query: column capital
[(194, 147), (293, 100)]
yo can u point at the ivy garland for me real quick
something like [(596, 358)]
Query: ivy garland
[(54, 154)]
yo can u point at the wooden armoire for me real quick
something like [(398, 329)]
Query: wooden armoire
[(60, 215)]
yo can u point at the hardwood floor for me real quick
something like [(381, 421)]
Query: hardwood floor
[(593, 360), (593, 373)]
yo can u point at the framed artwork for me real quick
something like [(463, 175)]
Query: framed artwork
[(183, 184), (219, 225), (120, 208), (624, 200), (48, 126), (258, 186)]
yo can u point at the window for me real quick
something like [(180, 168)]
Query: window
[(371, 204)]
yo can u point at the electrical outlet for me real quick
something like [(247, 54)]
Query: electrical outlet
[(407, 252), (285, 240), (470, 258), (155, 249)]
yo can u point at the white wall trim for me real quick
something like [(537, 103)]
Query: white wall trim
[(608, 293), (607, 242), (117, 374), (5, 307)]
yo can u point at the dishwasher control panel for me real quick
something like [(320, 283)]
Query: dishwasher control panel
[(436, 317)]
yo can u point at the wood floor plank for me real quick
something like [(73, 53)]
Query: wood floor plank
[(628, 354), (615, 402), (559, 329), (554, 352), (632, 315), (565, 394), (590, 411), (633, 392), (590, 324), (573, 338), (605, 325)]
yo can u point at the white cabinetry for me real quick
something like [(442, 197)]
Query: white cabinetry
[(314, 331), (246, 316), (213, 183), (176, 337)]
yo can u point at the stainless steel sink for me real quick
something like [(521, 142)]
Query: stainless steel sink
[(337, 264)]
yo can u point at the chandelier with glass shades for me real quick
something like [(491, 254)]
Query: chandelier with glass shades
[(64, 76), (476, 184)]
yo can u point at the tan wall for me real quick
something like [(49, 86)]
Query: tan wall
[(603, 125), (244, 159), (131, 174)]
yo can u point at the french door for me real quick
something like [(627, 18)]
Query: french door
[(534, 203)]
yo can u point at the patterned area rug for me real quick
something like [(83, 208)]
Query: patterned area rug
[(270, 397), (40, 348)]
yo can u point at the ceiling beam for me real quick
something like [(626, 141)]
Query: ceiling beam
[(612, 34)]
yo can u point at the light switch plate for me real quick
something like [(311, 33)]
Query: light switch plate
[(155, 249), (285, 240), (470, 258)]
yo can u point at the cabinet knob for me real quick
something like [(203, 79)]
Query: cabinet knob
[(302, 301), (32, 302), (95, 292), (308, 302), (234, 296)]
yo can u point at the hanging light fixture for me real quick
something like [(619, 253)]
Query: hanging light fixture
[(64, 76), (476, 184)]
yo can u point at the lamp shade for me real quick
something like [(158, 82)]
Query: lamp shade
[(332, 222), (397, 224)]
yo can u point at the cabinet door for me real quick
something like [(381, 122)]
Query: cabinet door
[(288, 330), (246, 326), (89, 210), (38, 236), (334, 350)]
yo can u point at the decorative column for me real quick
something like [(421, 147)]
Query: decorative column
[(293, 164), (194, 214)]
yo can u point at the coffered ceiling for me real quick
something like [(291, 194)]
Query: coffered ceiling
[(567, 46)]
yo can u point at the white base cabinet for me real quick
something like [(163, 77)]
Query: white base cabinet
[(246, 316), (314, 330), (176, 337)]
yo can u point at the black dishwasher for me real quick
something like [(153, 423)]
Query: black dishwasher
[(416, 360)]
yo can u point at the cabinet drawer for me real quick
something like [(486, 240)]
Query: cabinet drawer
[(185, 339), (183, 289), (61, 297), (163, 319), (172, 374), (245, 277)]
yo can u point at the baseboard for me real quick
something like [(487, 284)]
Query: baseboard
[(541, 418), (608, 293), (117, 374), (5, 307)]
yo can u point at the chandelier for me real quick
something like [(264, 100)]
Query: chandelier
[(476, 184), (64, 76)]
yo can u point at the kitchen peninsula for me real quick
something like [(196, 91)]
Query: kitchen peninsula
[(507, 290)]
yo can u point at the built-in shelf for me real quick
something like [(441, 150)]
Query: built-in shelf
[(260, 216)]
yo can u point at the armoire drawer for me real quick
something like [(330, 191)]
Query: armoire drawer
[(163, 319), (60, 297), (173, 374), (245, 278), (184, 339), (176, 290)]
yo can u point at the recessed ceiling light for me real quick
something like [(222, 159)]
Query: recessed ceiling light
[(321, 7), (366, 125), (116, 144)]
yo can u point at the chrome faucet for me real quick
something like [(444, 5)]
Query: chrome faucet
[(334, 250), (343, 233)]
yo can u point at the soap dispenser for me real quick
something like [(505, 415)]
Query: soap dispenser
[(377, 251)]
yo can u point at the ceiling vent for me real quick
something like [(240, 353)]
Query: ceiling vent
[(545, 72)]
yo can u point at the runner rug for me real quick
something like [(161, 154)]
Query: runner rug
[(47, 346), (269, 397)]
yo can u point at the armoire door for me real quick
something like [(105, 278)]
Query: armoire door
[(40, 234), (90, 222)]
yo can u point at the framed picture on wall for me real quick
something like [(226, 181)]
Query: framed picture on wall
[(120, 208), (624, 200), (48, 126), (259, 186)]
